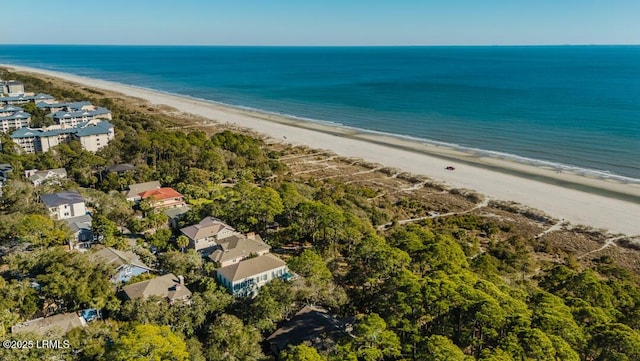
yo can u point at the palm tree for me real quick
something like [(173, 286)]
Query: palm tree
[(182, 241)]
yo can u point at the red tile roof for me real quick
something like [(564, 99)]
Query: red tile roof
[(161, 194)]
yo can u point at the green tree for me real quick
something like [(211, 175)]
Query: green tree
[(301, 353), (270, 306), (42, 231), (148, 342), (182, 241), (372, 341), (105, 229), (229, 339), (440, 348), (188, 264)]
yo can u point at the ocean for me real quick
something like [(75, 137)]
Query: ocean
[(566, 107)]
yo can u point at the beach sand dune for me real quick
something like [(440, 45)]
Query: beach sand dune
[(590, 201)]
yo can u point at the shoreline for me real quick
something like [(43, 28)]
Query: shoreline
[(581, 199)]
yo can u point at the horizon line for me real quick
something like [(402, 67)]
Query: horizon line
[(325, 45)]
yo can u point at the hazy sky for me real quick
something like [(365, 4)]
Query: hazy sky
[(327, 22)]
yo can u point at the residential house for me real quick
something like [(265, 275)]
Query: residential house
[(52, 326), (311, 324), (13, 121), (12, 87), (246, 277), (75, 117), (133, 193), (168, 287), (81, 229), (51, 176), (93, 135), (162, 198), (126, 263), (236, 248), (203, 237), (64, 205), (176, 214)]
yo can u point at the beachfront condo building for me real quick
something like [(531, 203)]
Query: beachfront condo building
[(12, 87), (12, 117), (50, 107), (26, 98), (93, 135), (75, 117)]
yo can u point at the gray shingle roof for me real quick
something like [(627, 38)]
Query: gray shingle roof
[(309, 323), (118, 258), (47, 173), (163, 286), (135, 189), (238, 246), (207, 227), (58, 199), (251, 267), (56, 325), (121, 167), (78, 223), (176, 212)]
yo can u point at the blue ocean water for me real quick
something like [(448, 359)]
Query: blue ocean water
[(565, 106)]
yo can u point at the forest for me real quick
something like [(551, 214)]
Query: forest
[(426, 290)]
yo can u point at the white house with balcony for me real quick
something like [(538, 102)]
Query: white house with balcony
[(63, 205), (244, 279)]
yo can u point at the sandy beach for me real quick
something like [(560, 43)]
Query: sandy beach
[(590, 201)]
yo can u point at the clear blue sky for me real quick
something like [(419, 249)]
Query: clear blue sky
[(327, 22)]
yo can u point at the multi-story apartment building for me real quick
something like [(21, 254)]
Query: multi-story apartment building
[(25, 98), (75, 117), (14, 120), (93, 135), (12, 87)]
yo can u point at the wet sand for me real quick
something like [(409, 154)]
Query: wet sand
[(597, 202)]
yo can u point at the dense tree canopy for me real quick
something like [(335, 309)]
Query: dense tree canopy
[(427, 290)]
